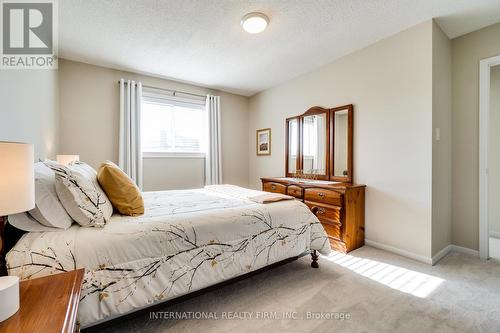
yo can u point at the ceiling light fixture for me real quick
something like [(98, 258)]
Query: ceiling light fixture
[(254, 23)]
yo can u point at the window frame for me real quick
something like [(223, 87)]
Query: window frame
[(166, 154), (162, 97)]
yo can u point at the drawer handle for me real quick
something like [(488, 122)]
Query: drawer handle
[(273, 187), (321, 211), (321, 194)]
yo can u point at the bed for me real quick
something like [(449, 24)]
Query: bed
[(186, 241)]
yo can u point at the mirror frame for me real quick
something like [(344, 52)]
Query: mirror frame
[(315, 110), (350, 125), (330, 147), (287, 144)]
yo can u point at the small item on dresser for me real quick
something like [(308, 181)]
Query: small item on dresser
[(9, 294), (270, 198), (121, 190)]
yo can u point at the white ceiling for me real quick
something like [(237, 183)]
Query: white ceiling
[(201, 41)]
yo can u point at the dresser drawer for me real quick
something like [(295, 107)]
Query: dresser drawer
[(274, 187), (332, 230), (294, 191), (326, 212), (323, 196), (338, 245)]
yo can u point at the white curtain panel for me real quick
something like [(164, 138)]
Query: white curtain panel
[(213, 164), (130, 153)]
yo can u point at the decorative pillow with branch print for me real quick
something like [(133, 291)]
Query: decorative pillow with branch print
[(80, 194)]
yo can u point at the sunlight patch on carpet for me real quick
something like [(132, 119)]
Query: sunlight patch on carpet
[(395, 277)]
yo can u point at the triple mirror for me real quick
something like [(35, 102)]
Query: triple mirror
[(319, 144)]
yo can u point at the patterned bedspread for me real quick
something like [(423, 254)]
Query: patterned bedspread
[(187, 240)]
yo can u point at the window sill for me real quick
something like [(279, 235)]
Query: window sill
[(172, 155)]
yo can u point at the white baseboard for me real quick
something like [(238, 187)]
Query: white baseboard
[(431, 261), (465, 250), (495, 234), (401, 252), (441, 254)]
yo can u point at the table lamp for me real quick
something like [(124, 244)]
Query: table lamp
[(67, 159), (17, 194)]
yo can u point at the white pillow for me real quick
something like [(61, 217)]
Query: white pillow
[(81, 195), (49, 211), (25, 222)]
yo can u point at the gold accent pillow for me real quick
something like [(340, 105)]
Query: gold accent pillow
[(123, 193)]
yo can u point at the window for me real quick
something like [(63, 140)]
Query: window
[(173, 126)]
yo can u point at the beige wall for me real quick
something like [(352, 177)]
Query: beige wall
[(29, 109), (234, 109), (441, 150), (390, 84), (89, 104), (494, 154), (467, 51)]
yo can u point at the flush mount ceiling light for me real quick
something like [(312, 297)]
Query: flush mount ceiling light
[(254, 23)]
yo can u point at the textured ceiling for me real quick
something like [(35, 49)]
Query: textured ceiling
[(201, 41)]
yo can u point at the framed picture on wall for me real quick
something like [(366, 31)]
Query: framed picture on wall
[(264, 141)]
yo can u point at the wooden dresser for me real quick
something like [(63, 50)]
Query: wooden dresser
[(339, 206)]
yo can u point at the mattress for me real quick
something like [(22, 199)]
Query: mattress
[(187, 240)]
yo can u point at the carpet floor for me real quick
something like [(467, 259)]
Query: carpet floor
[(368, 290)]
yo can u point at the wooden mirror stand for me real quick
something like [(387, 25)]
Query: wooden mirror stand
[(334, 144), (327, 188)]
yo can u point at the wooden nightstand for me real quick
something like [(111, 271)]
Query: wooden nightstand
[(47, 304)]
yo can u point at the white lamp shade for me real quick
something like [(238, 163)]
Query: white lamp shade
[(17, 181), (67, 159)]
